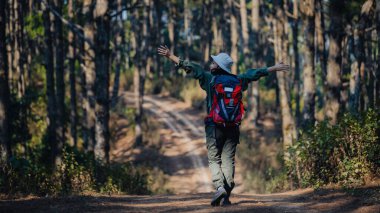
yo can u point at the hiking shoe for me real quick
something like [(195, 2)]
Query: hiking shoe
[(219, 194), (225, 201)]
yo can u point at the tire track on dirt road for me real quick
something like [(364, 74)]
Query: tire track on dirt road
[(199, 172), (184, 146)]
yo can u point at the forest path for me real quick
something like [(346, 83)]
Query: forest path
[(306, 200), (185, 159), (184, 153)]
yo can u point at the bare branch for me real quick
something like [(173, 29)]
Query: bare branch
[(271, 40), (237, 5), (370, 29), (75, 28)]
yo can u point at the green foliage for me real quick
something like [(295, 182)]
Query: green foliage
[(345, 153), (34, 25), (79, 172)]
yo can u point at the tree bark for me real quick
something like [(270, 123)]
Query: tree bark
[(50, 89), (234, 35), (5, 136), (139, 45), (308, 12), (321, 38), (171, 23), (102, 65), (281, 49), (89, 71), (296, 90), (187, 28), (60, 82), (377, 83), (16, 68), (10, 46), (332, 106), (205, 31), (254, 92), (353, 103), (245, 33), (119, 42), (20, 67), (160, 39), (73, 94), (362, 56), (217, 41)]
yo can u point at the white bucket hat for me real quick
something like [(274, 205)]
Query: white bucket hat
[(224, 61)]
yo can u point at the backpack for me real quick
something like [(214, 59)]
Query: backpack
[(227, 107)]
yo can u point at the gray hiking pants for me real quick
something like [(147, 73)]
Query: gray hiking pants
[(221, 147)]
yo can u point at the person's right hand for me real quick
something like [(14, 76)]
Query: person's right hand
[(163, 50), (280, 67)]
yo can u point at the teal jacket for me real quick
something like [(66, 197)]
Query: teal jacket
[(205, 77)]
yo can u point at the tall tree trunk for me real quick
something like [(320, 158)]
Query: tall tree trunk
[(73, 94), (281, 49), (205, 31), (308, 12), (149, 48), (160, 39), (362, 57), (5, 136), (139, 44), (254, 95), (332, 106), (102, 57), (9, 32), (321, 38), (358, 66), (377, 87), (19, 66), (89, 71), (234, 35), (171, 23), (215, 33), (187, 29), (217, 41), (60, 82), (245, 34), (365, 41), (370, 64), (353, 103), (296, 62), (119, 42), (50, 88), (16, 69)]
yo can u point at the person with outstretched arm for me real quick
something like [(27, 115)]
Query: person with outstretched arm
[(225, 111)]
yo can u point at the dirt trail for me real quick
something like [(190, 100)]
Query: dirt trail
[(306, 200), (185, 159), (183, 145)]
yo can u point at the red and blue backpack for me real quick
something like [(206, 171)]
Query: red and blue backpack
[(227, 106)]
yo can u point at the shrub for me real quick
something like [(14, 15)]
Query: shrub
[(78, 172), (345, 153)]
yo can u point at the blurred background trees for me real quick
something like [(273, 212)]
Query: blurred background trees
[(63, 65)]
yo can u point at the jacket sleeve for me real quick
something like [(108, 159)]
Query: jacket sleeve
[(252, 75), (195, 71)]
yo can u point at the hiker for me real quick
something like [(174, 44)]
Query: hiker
[(225, 111)]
